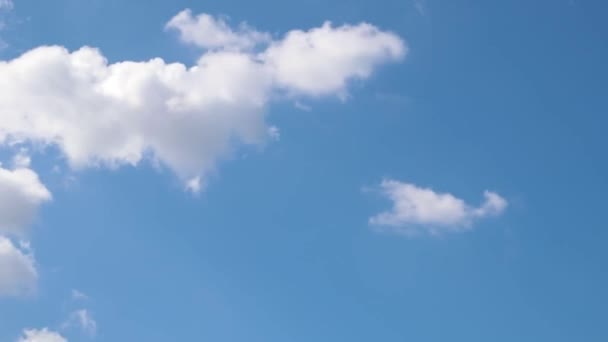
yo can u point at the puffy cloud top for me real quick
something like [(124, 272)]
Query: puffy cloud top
[(322, 60), (21, 193), (43, 335), (184, 117), (214, 33)]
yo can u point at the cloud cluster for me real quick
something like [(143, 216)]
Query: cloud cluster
[(417, 210), (21, 194), (183, 117)]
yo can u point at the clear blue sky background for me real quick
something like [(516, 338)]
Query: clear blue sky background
[(501, 95)]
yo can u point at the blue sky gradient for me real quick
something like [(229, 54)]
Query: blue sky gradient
[(506, 96)]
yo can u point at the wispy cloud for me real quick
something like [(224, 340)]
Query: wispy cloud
[(421, 7), (78, 295), (302, 106), (6, 5), (82, 319)]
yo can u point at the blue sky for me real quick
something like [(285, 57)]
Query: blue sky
[(415, 171)]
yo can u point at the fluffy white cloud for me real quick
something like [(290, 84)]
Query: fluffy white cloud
[(213, 33), (82, 319), (21, 193), (322, 60), (417, 209), (18, 274), (186, 118), (43, 335), (114, 114)]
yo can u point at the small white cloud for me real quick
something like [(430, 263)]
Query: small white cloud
[(21, 193), (417, 210), (83, 320), (43, 335), (214, 33), (18, 275)]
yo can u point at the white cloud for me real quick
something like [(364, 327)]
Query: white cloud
[(214, 33), (185, 118), (21, 193), (82, 319), (417, 210), (18, 275), (43, 335), (101, 114), (322, 61)]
